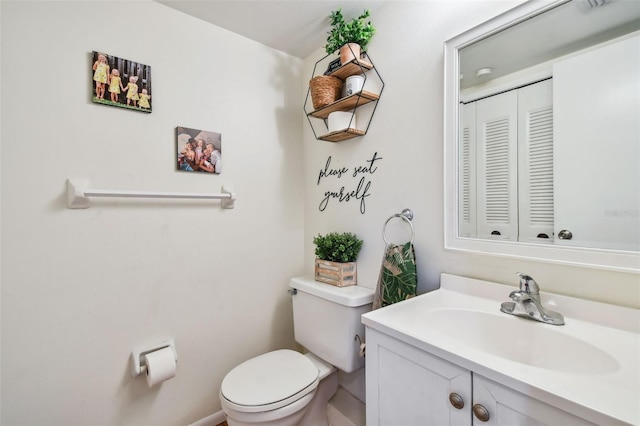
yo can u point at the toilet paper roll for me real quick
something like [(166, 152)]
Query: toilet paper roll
[(161, 366)]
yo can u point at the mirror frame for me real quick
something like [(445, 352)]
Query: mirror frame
[(614, 260)]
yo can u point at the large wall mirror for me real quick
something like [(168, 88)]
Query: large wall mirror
[(542, 134)]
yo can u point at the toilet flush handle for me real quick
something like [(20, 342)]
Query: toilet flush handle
[(292, 291)]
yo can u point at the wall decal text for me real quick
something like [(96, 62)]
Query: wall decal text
[(361, 190)]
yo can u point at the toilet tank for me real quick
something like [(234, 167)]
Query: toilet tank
[(326, 320)]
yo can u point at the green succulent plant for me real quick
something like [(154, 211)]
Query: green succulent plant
[(359, 31), (337, 247)]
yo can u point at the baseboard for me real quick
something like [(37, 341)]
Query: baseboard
[(211, 420)]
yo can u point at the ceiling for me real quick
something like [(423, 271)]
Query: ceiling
[(300, 27), (297, 27), (562, 30)]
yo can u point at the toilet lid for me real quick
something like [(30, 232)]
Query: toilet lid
[(270, 378)]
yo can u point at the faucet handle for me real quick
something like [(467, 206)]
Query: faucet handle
[(518, 296), (528, 284)]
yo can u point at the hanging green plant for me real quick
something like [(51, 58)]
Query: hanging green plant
[(358, 31)]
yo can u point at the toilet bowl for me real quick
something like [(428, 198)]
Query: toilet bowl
[(287, 388), (278, 388)]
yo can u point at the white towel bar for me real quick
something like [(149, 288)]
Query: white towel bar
[(78, 194)]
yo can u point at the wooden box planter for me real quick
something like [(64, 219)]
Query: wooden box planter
[(335, 273)]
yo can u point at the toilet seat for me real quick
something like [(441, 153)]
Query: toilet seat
[(269, 381)]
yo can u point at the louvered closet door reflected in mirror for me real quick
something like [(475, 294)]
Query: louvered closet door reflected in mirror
[(467, 172), (502, 137), (535, 162)]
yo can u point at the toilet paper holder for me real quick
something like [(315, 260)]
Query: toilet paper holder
[(137, 361)]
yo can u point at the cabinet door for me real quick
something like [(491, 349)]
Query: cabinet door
[(408, 387), (507, 407), (535, 162), (597, 146), (497, 162)]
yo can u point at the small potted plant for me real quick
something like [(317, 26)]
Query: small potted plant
[(349, 37), (336, 255)]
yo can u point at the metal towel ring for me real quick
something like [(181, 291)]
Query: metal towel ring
[(406, 215)]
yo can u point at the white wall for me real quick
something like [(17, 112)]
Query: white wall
[(81, 288), (407, 132)]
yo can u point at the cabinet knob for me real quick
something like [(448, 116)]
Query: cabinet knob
[(481, 412), (456, 400), (565, 235)]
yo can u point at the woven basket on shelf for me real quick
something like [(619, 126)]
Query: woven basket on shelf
[(325, 89)]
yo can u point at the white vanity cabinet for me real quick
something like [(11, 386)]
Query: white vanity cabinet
[(407, 386), (507, 407)]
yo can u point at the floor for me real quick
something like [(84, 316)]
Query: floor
[(223, 424)]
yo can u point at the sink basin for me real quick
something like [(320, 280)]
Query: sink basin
[(521, 340)]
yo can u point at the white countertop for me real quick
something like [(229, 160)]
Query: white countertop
[(607, 391)]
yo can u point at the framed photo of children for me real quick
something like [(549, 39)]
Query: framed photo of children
[(120, 82), (198, 150)]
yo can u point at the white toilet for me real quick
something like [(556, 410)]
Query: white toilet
[(287, 388)]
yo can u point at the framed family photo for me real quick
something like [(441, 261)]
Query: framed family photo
[(120, 82), (198, 150)]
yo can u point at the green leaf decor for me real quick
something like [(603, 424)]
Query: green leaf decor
[(358, 31), (337, 247)]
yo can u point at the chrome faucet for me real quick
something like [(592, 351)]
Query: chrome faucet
[(526, 303)]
